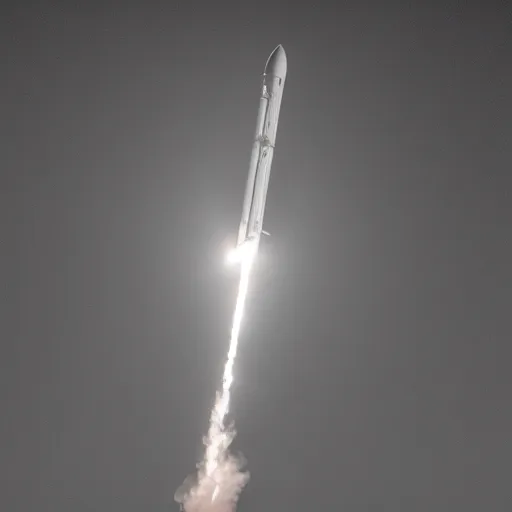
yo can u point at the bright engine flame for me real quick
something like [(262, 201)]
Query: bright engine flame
[(242, 253)]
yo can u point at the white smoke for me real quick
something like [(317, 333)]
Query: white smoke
[(220, 491), (221, 477)]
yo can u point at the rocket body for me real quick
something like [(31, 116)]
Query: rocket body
[(251, 225)]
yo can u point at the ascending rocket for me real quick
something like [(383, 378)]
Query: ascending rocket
[(251, 225)]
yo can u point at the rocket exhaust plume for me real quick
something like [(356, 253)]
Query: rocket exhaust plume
[(220, 477), (218, 436)]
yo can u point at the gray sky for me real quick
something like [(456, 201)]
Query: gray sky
[(374, 367)]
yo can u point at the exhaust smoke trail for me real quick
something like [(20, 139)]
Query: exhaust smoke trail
[(217, 436), (220, 478)]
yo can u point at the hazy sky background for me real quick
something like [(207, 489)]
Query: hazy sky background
[(374, 367)]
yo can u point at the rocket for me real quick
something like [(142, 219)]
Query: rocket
[(251, 225)]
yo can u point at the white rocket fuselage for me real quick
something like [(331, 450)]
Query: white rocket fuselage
[(274, 76)]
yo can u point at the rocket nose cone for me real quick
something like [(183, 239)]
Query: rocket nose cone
[(276, 63)]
